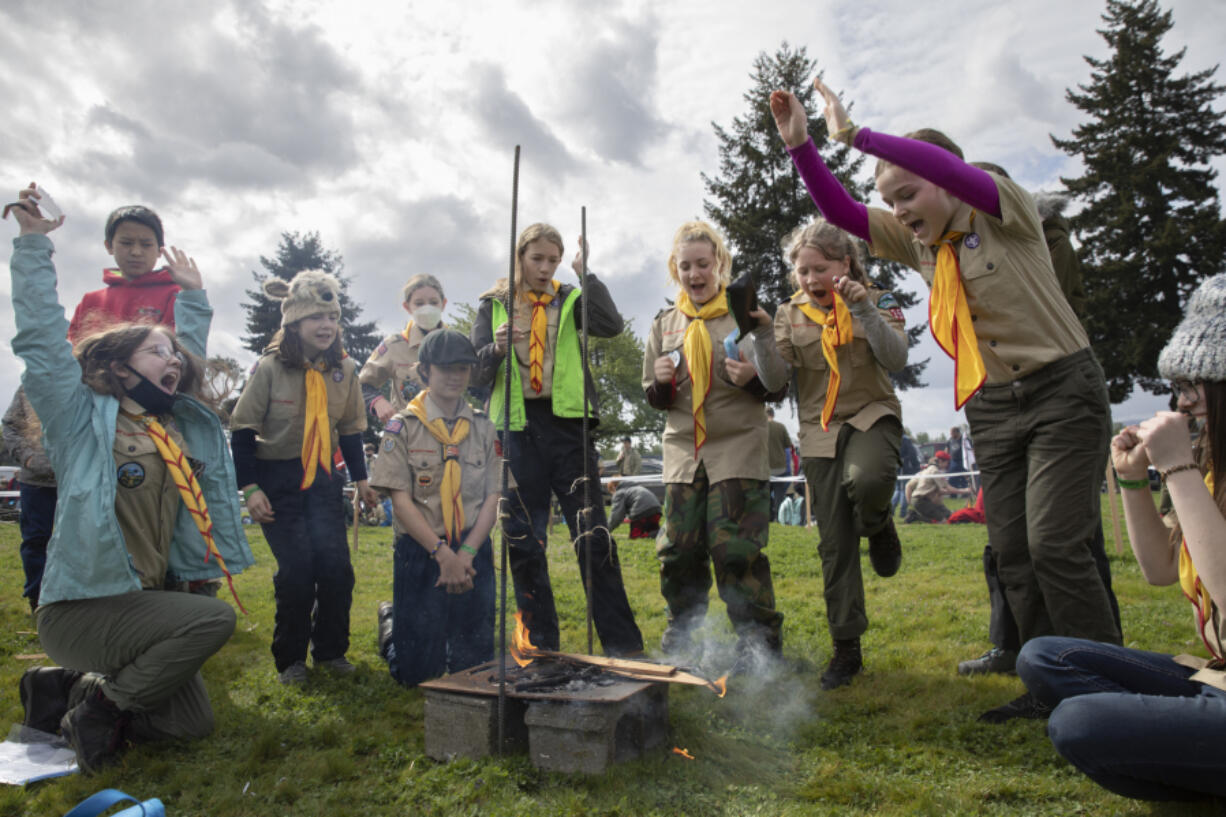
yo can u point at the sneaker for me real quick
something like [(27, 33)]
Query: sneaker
[(845, 664), (44, 696), (994, 660), (383, 628), (337, 666), (95, 730), (884, 550), (1024, 706), (295, 674)]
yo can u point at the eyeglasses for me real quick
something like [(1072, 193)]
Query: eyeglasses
[(165, 354), (1187, 389)]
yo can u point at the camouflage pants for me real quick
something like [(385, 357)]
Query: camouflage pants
[(722, 525)]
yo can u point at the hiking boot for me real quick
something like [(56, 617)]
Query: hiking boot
[(1024, 706), (337, 666), (758, 653), (884, 550), (844, 665), (384, 627), (293, 675), (95, 730), (994, 660), (44, 696)]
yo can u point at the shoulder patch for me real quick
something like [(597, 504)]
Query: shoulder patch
[(393, 426), (381, 350), (887, 301)]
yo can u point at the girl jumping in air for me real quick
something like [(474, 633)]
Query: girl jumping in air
[(1034, 394)]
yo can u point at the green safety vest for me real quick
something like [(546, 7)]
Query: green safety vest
[(567, 388)]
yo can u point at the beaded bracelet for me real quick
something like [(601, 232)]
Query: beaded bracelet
[(1132, 484), (1175, 469), (469, 549), (439, 546)]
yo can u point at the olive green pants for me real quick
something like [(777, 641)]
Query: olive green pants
[(144, 649), (1041, 442), (851, 494)]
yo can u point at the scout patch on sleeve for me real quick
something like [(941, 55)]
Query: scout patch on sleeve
[(130, 475), (389, 444), (381, 350), (393, 426), (888, 302)]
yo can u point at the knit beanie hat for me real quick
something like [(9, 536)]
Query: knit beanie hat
[(311, 292), (1197, 348)]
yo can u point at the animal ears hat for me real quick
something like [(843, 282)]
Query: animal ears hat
[(311, 292)]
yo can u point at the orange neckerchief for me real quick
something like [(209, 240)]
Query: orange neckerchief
[(316, 435), (189, 490), (539, 336), (949, 317), (699, 356), (408, 326), (453, 502), (1193, 589), (836, 332)]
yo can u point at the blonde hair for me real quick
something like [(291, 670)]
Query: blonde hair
[(701, 231), (422, 280), (835, 244), (534, 232)]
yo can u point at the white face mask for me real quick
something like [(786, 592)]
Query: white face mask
[(427, 317)]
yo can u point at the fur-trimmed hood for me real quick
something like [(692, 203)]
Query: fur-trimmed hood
[(1051, 203)]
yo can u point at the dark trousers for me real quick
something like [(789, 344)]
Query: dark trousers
[(547, 457), (37, 517), (1133, 721), (1042, 442), (851, 497), (1002, 628), (435, 632), (314, 579)]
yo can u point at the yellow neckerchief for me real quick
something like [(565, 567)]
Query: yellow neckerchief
[(453, 502), (1193, 589), (189, 490), (409, 326), (836, 332), (539, 336), (316, 434), (949, 317), (698, 355)]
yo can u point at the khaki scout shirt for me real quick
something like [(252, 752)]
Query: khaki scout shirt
[(928, 483), (735, 447), (273, 403), (411, 459), (146, 498), (866, 393), (395, 359), (523, 320), (1021, 317)]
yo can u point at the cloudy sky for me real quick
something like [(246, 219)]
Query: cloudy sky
[(389, 128)]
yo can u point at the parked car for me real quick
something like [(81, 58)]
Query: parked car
[(652, 466)]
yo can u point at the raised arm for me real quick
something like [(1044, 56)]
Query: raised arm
[(936, 164)]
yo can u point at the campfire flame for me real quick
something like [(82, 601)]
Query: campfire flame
[(720, 685), (521, 643), (685, 753)]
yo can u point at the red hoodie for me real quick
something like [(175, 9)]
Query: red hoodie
[(147, 299)]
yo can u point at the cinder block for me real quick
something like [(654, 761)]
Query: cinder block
[(467, 725), (589, 737)]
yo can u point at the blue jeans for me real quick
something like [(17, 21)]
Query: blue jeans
[(1131, 720), (900, 497), (36, 519)]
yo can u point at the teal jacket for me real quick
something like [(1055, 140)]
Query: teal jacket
[(86, 556)]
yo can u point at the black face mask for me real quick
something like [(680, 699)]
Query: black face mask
[(151, 398)]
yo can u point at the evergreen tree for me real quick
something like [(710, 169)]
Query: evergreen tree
[(758, 198), (617, 371), (1152, 226), (296, 253)]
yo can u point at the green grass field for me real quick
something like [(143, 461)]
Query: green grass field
[(902, 739)]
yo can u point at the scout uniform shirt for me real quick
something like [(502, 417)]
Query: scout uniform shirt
[(146, 498), (395, 359), (1021, 317), (928, 484), (411, 459), (865, 391), (736, 442), (273, 404)]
